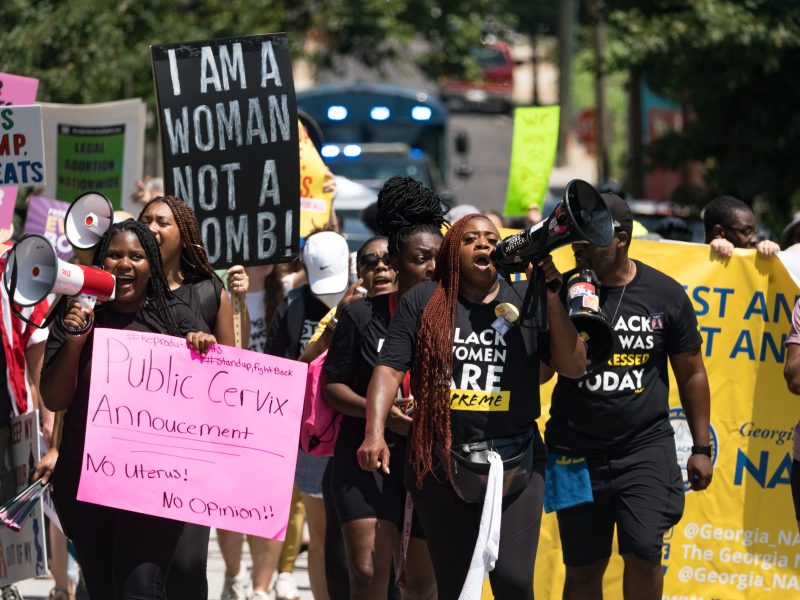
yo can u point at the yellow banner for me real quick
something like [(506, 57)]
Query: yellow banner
[(739, 538), (315, 205)]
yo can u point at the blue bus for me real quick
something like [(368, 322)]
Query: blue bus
[(374, 130)]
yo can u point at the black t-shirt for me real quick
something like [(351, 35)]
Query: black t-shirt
[(202, 295), (146, 320), (625, 403), (294, 323), (353, 352), (495, 385)]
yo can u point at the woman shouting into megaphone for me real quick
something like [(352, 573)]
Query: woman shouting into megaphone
[(122, 554), (476, 463)]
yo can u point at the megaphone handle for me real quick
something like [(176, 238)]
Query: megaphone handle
[(534, 306), (86, 301)]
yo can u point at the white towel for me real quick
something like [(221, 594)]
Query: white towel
[(487, 545)]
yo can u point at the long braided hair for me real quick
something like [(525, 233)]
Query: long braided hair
[(193, 254), (158, 292), (433, 358), (406, 207)]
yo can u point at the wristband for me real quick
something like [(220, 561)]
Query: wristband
[(77, 332), (702, 450), (332, 323)]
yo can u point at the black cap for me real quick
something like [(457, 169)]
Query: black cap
[(620, 213)]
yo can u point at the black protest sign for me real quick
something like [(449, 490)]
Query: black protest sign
[(228, 121)]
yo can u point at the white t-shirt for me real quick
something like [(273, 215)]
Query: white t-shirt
[(258, 326)]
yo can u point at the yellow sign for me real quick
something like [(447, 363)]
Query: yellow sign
[(480, 401), (739, 538), (533, 150), (315, 205)]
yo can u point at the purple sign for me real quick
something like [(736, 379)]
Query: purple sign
[(46, 217)]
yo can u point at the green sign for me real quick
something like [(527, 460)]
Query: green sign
[(533, 151), (90, 159)]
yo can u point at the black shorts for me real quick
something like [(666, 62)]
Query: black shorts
[(360, 494), (796, 488), (641, 493)]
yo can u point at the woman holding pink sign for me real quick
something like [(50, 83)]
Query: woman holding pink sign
[(123, 555)]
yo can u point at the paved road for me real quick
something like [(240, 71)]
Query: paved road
[(489, 157), (38, 589)]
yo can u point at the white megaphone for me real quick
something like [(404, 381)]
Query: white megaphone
[(87, 219), (34, 271)]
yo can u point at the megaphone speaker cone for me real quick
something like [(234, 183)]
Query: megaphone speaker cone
[(589, 213), (32, 261), (87, 219)]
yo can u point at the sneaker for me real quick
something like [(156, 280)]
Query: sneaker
[(260, 595), (234, 588), (285, 587)]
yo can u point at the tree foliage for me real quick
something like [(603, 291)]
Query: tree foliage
[(734, 65), (98, 50)]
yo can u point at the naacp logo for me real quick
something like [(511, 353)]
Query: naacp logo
[(684, 442)]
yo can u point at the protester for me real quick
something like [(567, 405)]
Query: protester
[(533, 215), (147, 190), (791, 372), (193, 281), (673, 228), (791, 233), (189, 273), (475, 382), (59, 559), (374, 276), (729, 223), (21, 363), (122, 554), (264, 295), (614, 422), (325, 257), (496, 218), (370, 507)]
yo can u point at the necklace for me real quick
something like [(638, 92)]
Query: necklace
[(624, 287)]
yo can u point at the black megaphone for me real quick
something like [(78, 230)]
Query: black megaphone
[(583, 306), (581, 216)]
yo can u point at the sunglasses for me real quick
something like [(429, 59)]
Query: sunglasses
[(371, 260)]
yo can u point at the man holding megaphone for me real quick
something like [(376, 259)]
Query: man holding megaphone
[(612, 458)]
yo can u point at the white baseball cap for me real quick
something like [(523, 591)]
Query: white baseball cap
[(327, 261)]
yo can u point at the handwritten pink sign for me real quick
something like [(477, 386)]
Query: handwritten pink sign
[(207, 440), (14, 89)]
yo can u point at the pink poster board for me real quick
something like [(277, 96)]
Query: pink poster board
[(207, 440), (14, 89)]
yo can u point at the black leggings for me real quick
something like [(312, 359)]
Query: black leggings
[(123, 555), (187, 575), (451, 528)]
